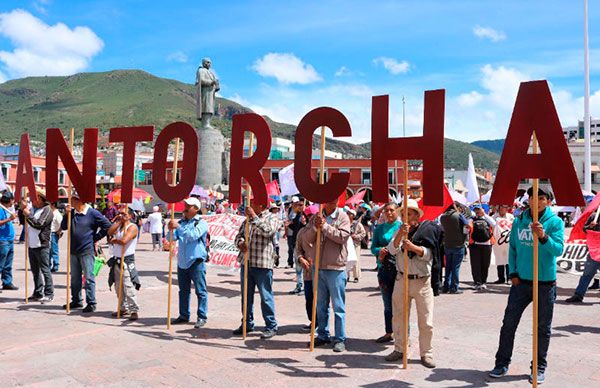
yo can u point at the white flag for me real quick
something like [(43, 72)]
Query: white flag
[(287, 184), (3, 185), (473, 190)]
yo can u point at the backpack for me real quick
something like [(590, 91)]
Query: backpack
[(481, 230)]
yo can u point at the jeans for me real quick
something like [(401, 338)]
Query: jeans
[(261, 278), (197, 274), (387, 280), (291, 240), (39, 259), (7, 253), (299, 274), (454, 257), (480, 262), (54, 252), (156, 240), (308, 298), (502, 272), (332, 286), (590, 270), (518, 299), (82, 264)]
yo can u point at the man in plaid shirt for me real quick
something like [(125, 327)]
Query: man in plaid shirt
[(263, 226)]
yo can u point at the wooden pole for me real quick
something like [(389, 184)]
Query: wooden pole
[(313, 320), (172, 243), (534, 213), (25, 195), (405, 306), (120, 298), (247, 241), (69, 194)]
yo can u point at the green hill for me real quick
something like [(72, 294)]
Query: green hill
[(491, 145), (134, 97)]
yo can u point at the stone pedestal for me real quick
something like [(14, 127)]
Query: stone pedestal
[(210, 155)]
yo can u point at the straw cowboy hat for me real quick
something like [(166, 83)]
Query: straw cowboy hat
[(411, 204)]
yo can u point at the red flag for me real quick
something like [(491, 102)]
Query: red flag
[(356, 198), (593, 244), (577, 233), (433, 212), (342, 199), (273, 189)]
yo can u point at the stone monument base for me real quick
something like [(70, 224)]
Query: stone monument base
[(211, 144)]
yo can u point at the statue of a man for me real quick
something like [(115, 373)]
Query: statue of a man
[(207, 85)]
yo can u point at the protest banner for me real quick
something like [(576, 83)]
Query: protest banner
[(222, 229), (573, 259)]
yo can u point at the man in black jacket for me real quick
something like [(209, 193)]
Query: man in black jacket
[(39, 220)]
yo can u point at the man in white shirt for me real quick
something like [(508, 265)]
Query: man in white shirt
[(55, 234), (156, 227)]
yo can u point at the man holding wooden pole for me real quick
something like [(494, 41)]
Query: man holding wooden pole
[(549, 232), (262, 227), (331, 286)]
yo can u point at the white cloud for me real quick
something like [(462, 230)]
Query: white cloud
[(469, 99), (41, 49), (286, 68), (392, 65), (489, 33), (177, 56), (343, 72)]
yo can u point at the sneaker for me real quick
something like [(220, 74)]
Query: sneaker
[(540, 377), (384, 338), (10, 286), (295, 291), (355, 280), (595, 285), (498, 372), (459, 291), (239, 330), (321, 342), (179, 321), (477, 287), (73, 306), (500, 281), (200, 323), (47, 299), (575, 299), (301, 293), (123, 313), (428, 362), (445, 290), (483, 287), (268, 333), (339, 347), (35, 297), (394, 356), (134, 317), (90, 308)]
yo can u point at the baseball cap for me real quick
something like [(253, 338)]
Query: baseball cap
[(192, 201), (542, 190), (295, 199)]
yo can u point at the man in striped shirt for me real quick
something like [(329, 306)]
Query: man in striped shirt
[(263, 226)]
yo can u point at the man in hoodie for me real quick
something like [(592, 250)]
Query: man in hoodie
[(549, 231)]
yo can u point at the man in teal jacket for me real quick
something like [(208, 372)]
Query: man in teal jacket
[(550, 233)]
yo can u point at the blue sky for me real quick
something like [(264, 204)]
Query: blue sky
[(283, 58)]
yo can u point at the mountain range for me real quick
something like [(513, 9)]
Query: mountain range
[(134, 97)]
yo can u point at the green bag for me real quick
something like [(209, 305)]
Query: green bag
[(99, 262)]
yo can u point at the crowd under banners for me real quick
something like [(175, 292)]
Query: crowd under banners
[(222, 229)]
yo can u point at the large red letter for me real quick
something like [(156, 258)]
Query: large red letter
[(24, 169), (248, 168), (56, 147), (129, 136), (429, 148), (187, 178), (336, 185), (534, 111)]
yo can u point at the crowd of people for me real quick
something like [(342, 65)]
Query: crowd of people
[(435, 250)]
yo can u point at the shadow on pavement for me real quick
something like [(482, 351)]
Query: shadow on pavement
[(352, 361), (389, 383), (473, 378), (289, 369), (578, 329)]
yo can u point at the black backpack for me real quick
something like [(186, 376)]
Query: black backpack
[(481, 230)]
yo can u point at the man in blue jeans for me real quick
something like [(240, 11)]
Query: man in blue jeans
[(591, 267), (192, 256), (263, 226), (335, 232), (7, 237), (453, 223), (549, 231), (88, 226)]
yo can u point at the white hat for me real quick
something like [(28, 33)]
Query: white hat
[(295, 199), (192, 201), (155, 209), (411, 204)]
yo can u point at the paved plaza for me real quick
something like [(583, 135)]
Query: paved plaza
[(42, 346)]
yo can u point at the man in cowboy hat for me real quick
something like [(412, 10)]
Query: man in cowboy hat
[(422, 241), (39, 222)]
